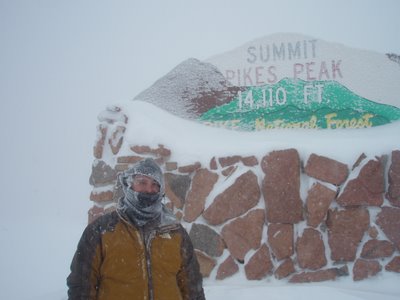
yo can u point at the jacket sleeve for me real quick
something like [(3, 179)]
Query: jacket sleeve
[(189, 278), (84, 277)]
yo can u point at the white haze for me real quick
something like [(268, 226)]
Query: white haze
[(63, 62)]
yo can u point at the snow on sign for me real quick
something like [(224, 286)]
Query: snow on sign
[(284, 81)]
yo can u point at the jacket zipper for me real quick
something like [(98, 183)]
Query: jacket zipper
[(147, 253)]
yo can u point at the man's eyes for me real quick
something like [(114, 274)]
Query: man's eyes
[(145, 183)]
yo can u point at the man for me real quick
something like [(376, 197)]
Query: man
[(140, 251)]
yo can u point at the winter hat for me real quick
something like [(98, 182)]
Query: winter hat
[(141, 207)]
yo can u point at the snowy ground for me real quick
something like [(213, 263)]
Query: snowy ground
[(384, 287)]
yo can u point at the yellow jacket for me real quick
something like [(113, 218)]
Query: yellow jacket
[(117, 260)]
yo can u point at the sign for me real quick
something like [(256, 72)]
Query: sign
[(283, 81)]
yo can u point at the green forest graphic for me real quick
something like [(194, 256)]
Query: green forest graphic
[(294, 103)]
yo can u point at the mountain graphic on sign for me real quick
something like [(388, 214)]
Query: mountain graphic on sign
[(294, 103), (190, 89)]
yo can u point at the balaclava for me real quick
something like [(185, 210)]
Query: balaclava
[(139, 207)]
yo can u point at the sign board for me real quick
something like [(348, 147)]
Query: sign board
[(284, 81)]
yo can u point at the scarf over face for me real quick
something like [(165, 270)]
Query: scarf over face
[(139, 207)]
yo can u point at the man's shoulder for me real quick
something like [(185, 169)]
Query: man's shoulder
[(106, 222)]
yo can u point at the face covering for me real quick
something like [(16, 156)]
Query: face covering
[(147, 200)]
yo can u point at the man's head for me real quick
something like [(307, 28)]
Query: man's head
[(144, 177), (143, 186)]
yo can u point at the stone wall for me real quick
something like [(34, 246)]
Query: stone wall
[(299, 219)]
